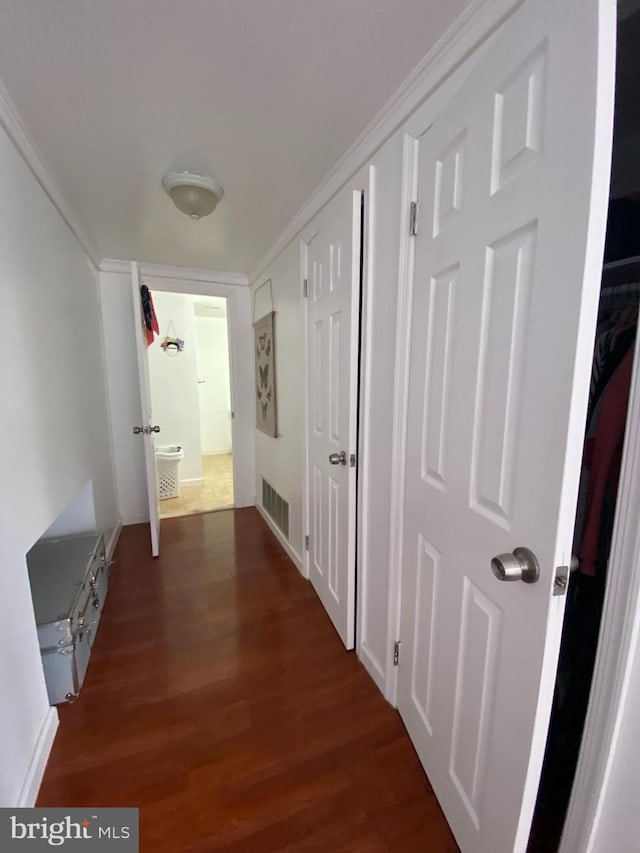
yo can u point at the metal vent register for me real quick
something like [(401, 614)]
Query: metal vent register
[(276, 507)]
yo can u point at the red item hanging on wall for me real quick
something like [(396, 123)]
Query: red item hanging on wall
[(151, 326)]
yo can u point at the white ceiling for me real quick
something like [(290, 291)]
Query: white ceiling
[(264, 95)]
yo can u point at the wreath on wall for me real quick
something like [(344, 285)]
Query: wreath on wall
[(171, 343)]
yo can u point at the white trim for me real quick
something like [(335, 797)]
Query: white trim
[(39, 757), (17, 133), (618, 641), (472, 27), (109, 419), (233, 347), (194, 481), (233, 279), (306, 517), (228, 452), (365, 462), (295, 558), (400, 408), (111, 540)]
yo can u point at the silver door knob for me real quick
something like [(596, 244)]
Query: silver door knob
[(521, 565), (138, 430), (338, 458), (155, 428)]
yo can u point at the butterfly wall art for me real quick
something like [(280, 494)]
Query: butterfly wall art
[(265, 376)]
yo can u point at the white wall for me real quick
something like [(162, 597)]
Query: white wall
[(124, 395), (212, 353), (281, 460), (55, 438), (78, 516), (174, 382)]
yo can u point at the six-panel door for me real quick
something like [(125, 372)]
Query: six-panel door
[(501, 335)]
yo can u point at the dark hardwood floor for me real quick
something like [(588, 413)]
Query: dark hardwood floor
[(220, 701)]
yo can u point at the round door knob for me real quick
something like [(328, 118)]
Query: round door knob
[(338, 458), (155, 428), (521, 565)]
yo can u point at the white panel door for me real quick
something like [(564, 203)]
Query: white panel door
[(504, 301), (148, 436), (333, 264)]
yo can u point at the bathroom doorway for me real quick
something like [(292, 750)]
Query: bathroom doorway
[(191, 393)]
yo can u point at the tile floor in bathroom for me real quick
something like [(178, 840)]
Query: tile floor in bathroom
[(216, 492)]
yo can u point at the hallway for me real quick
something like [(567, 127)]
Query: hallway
[(220, 701)]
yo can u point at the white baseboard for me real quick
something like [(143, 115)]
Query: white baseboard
[(38, 763), (111, 540), (196, 481), (295, 558)]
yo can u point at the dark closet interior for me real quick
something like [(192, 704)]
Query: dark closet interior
[(604, 435)]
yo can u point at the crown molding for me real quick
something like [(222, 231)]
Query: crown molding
[(234, 279), (12, 124), (475, 24)]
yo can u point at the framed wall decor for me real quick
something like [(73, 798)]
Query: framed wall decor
[(265, 375)]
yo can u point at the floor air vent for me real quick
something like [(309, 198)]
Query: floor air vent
[(276, 507)]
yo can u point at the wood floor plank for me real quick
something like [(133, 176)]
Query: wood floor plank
[(220, 701)]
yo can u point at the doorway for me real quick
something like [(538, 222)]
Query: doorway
[(191, 396), (333, 261), (492, 443)]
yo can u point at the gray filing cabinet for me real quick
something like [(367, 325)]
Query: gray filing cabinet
[(69, 580)]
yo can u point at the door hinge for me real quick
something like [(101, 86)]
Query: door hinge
[(561, 580), (413, 219), (305, 287), (352, 460), (306, 542), (396, 653)]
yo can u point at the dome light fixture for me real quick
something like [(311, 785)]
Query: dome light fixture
[(195, 195)]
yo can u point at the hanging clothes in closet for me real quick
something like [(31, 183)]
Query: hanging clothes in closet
[(606, 419), (604, 437)]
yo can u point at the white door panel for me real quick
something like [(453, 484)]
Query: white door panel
[(148, 438), (505, 181), (333, 263)]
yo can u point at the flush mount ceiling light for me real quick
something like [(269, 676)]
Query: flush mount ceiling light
[(195, 195)]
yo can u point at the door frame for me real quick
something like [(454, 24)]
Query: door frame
[(242, 422), (619, 639), (361, 183)]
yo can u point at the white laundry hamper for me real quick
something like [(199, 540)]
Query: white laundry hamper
[(168, 464)]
